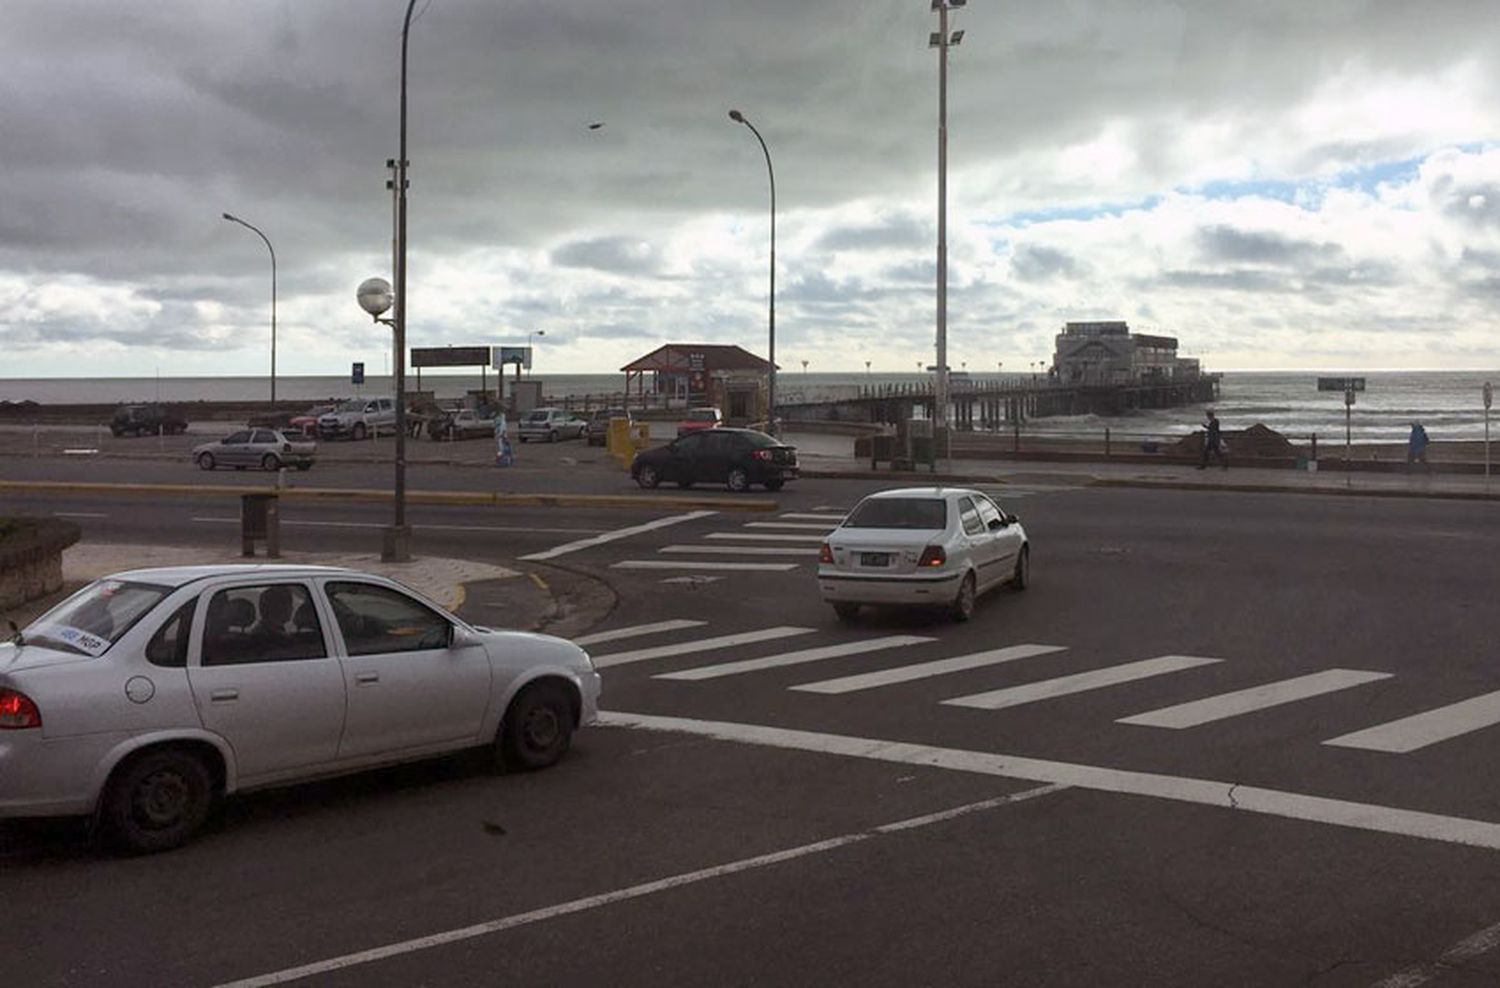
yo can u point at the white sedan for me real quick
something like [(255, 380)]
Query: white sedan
[(148, 694), (922, 545)]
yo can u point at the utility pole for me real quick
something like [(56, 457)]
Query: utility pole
[(942, 40)]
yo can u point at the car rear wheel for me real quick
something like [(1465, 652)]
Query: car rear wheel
[(774, 485), (552, 436), (358, 432), (157, 801), (205, 461), (739, 480), (538, 727), (963, 604), (647, 477), (1021, 578), (846, 612), (270, 462)]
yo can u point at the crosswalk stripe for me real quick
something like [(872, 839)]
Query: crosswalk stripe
[(622, 533), (795, 658), (790, 524), (758, 537), (1429, 727), (1245, 701), (1079, 682), (636, 630), (743, 550), (923, 670), (795, 516), (698, 645), (696, 564)]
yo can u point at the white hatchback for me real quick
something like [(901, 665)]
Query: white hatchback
[(922, 545), (148, 694)]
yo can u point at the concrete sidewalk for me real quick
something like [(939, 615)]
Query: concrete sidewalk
[(832, 457)]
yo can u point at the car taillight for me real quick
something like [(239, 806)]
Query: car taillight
[(762, 454), (17, 711), (825, 554), (933, 555)]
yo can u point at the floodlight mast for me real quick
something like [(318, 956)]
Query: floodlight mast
[(942, 40)]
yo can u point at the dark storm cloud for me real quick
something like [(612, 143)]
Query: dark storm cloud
[(894, 233), (1235, 246), (616, 255), (1032, 262)]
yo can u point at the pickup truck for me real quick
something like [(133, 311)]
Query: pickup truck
[(359, 418), (146, 420)]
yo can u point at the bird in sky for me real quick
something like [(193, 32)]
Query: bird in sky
[(596, 126)]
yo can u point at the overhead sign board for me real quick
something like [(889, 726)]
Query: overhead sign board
[(1341, 384), (506, 355), (450, 356)]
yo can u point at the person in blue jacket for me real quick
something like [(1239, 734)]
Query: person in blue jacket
[(1416, 447)]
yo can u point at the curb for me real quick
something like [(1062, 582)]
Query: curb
[(1248, 488), (412, 497)]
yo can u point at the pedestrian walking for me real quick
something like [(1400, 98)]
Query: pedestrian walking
[(1416, 447), (1213, 443)]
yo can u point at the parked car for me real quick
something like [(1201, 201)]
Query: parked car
[(359, 418), (465, 423), (598, 428), (550, 424), (922, 545), (699, 418), (736, 458), (147, 420), (146, 695), (268, 449), (306, 424)]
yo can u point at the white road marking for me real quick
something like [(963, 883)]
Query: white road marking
[(743, 550), (1429, 727), (1079, 682), (620, 533), (1466, 949), (789, 524), (1245, 701), (81, 514), (700, 645), (922, 670), (695, 580), (435, 528), (831, 507), (757, 537), (632, 892), (693, 564), (1204, 792), (795, 658), (794, 516), (636, 631)]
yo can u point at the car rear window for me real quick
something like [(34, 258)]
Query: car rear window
[(537, 416), (759, 440), (95, 617), (899, 512)]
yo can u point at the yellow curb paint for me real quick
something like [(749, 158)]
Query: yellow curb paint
[(541, 584)]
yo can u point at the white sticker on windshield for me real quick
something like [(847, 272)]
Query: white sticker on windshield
[(80, 639)]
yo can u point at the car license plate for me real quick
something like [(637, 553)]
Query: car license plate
[(874, 558)]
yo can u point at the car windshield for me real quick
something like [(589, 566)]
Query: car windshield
[(353, 405), (702, 415), (540, 416), (759, 440), (900, 512), (94, 618)]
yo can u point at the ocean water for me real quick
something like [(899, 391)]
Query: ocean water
[(1448, 403)]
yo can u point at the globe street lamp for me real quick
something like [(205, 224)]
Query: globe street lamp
[(739, 117), (256, 231)]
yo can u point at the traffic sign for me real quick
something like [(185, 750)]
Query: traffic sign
[(357, 374), (1341, 384)]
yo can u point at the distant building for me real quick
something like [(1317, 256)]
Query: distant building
[(682, 375), (1109, 353)]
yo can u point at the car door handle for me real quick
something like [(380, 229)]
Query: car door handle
[(366, 678), (223, 696)]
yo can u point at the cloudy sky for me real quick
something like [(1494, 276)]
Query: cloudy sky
[(1279, 183)]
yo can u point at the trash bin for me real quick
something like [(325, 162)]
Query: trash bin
[(260, 518)]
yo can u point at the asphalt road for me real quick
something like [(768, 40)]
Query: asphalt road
[(736, 826)]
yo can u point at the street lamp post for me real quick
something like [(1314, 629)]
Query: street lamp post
[(529, 338), (262, 236), (739, 117), (942, 40)]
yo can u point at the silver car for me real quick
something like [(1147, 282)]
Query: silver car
[(148, 694), (922, 545), (550, 425), (268, 449)]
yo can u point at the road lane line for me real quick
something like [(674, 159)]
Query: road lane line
[(1079, 682), (510, 529), (791, 524), (636, 631), (691, 564), (1466, 949), (633, 892), (922, 670), (1429, 727), (1184, 789), (621, 533), (831, 507), (795, 516), (743, 550), (758, 537), (796, 658), (1245, 701), (699, 645), (79, 514)]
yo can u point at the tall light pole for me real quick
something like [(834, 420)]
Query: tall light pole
[(942, 40), (262, 236), (739, 117), (529, 338)]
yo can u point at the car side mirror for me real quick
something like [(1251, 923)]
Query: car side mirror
[(459, 637), (1011, 519), (997, 523)]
